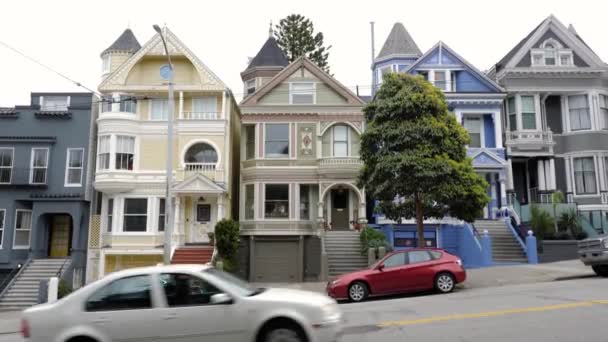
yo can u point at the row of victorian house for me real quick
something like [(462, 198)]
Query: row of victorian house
[(84, 177)]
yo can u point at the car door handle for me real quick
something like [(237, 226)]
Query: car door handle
[(170, 316), (101, 321)]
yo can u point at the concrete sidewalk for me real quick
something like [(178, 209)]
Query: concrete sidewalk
[(10, 322)]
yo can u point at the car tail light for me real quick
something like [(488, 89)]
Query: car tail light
[(25, 328)]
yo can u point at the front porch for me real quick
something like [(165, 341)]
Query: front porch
[(341, 206)]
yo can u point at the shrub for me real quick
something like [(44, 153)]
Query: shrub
[(227, 242), (63, 289), (371, 238), (541, 222), (569, 222)]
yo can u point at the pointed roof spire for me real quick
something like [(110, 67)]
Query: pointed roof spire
[(269, 55), (125, 43), (399, 42), (270, 30)]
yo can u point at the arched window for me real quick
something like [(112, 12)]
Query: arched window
[(201, 153)]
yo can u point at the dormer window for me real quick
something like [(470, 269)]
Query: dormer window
[(549, 54), (250, 86), (54, 103)]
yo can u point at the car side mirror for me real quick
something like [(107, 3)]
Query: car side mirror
[(380, 267), (221, 298)]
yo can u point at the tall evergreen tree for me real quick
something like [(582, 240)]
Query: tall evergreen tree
[(414, 155), (296, 36)]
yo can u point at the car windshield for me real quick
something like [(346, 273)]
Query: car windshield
[(232, 284)]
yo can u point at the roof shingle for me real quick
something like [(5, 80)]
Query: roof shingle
[(269, 55), (126, 42), (399, 42)]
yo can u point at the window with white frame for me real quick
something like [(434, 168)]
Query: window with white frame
[(440, 80), (604, 110), (125, 152), (74, 166), (528, 112), (159, 109), (128, 104), (204, 107), (565, 59), (512, 114), (550, 52), (249, 202), (2, 222), (103, 152), (55, 103), (606, 169), (161, 214), (110, 215), (39, 165), (250, 86), (276, 203), (584, 176), (250, 142), (276, 144), (578, 107), (305, 209), (537, 58), (340, 143), (23, 228), (472, 124), (6, 164), (106, 62), (302, 93), (135, 215), (106, 104), (384, 71)]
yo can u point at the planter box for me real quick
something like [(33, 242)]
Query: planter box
[(558, 250)]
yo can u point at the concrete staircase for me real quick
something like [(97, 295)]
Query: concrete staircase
[(23, 293), (505, 247), (192, 255), (343, 250)]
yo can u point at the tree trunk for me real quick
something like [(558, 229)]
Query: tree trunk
[(419, 221)]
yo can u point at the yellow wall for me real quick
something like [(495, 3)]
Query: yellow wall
[(146, 71), (152, 150), (122, 262)]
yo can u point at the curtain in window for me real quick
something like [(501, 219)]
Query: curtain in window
[(125, 150), (103, 159), (160, 109), (584, 175), (579, 112)]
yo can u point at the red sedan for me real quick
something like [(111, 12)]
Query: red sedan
[(399, 272)]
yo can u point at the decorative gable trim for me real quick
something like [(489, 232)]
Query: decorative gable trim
[(154, 47), (198, 184), (305, 63), (487, 158)]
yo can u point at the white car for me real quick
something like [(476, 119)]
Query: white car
[(183, 303)]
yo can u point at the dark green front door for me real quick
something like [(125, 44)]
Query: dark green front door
[(339, 209)]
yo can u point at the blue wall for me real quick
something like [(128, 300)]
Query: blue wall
[(466, 82), (488, 127)]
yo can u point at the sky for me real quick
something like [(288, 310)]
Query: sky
[(69, 35)]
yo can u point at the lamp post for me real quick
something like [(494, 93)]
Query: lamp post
[(169, 161)]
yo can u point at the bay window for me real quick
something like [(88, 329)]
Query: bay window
[(512, 114), (250, 142), (23, 228), (473, 125), (276, 142), (604, 110), (584, 175), (159, 109), (2, 220), (74, 167), (340, 143), (128, 104), (249, 202), (103, 152), (135, 216), (39, 165), (302, 93), (578, 107), (528, 112), (125, 152), (276, 203)]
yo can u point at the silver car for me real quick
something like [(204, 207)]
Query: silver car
[(185, 303)]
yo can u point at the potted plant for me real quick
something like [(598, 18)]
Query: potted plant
[(211, 236)]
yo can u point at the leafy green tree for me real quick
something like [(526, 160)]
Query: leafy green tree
[(296, 36), (414, 155)]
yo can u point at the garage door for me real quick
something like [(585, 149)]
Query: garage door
[(276, 261)]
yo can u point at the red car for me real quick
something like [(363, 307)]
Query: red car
[(398, 272)]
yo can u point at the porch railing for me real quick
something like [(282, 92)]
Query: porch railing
[(337, 161), (200, 115), (209, 170), (545, 137)]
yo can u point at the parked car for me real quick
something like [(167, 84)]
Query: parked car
[(186, 303), (399, 272), (594, 252)]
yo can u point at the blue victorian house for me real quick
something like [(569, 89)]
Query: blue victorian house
[(476, 101)]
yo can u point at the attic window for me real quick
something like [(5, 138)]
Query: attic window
[(105, 64), (54, 103), (302, 93), (250, 86), (549, 54)]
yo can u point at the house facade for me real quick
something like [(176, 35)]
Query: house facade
[(128, 225), (46, 163), (556, 121), (475, 100), (299, 165)]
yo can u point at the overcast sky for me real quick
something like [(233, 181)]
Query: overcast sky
[(69, 35)]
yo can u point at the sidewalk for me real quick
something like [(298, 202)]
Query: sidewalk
[(10, 322)]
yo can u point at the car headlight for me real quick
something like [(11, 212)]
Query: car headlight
[(335, 282), (605, 243), (331, 312)]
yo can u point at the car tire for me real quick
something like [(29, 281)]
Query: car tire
[(283, 331), (445, 282), (358, 291), (600, 270)]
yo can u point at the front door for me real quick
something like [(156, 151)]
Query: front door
[(339, 209), (60, 236), (201, 223)]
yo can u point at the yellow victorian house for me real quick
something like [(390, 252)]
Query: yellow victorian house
[(127, 228)]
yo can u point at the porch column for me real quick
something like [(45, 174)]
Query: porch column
[(551, 175), (176, 215), (181, 104), (493, 201), (510, 174), (569, 198), (541, 175), (497, 129), (220, 207), (362, 210), (503, 193), (224, 107)]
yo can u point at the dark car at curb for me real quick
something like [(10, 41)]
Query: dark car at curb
[(412, 270)]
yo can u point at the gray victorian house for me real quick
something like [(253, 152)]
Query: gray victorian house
[(556, 122), (45, 176)]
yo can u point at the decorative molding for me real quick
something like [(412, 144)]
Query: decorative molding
[(307, 141), (53, 115), (43, 139)]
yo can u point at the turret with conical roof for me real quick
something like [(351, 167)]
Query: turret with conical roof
[(268, 62), (119, 51)]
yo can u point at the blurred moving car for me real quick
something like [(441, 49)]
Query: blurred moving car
[(185, 303), (594, 252), (399, 272)]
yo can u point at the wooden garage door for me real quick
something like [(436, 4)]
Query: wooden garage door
[(276, 261)]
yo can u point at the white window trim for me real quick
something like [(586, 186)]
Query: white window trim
[(68, 167), (99, 169), (150, 110), (15, 229), (114, 152), (119, 229), (482, 133), (348, 140), (314, 93), (46, 169), (567, 111), (10, 180), (508, 121), (537, 118), (289, 217), (597, 180), (105, 208), (603, 123), (69, 101), (157, 215), (3, 227), (244, 201), (264, 141), (567, 53), (249, 85), (106, 64)]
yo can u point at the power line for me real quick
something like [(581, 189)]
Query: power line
[(48, 68)]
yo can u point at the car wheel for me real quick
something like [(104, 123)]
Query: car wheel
[(444, 283), (287, 332), (358, 291), (600, 270)]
